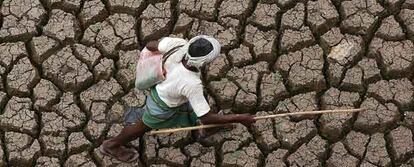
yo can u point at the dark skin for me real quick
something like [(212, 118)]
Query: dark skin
[(116, 145), (152, 46)]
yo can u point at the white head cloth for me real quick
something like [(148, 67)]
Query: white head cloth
[(200, 61)]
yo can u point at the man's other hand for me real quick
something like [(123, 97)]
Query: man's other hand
[(152, 46), (246, 119), (213, 118)]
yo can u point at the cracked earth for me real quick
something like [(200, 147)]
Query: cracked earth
[(67, 69)]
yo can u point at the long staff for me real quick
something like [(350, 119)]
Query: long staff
[(174, 130)]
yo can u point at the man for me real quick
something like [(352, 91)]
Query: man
[(181, 91)]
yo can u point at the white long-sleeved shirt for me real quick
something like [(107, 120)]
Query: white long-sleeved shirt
[(181, 85)]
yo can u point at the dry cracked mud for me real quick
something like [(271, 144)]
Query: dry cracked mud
[(67, 69)]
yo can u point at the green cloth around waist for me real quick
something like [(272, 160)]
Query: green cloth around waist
[(156, 98), (179, 119)]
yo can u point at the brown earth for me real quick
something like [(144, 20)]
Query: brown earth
[(67, 68)]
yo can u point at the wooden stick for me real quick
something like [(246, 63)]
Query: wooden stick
[(154, 132), (309, 113), (173, 130)]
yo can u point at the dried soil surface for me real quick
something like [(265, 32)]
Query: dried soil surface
[(67, 70)]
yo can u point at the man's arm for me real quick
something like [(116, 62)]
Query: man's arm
[(165, 44), (194, 93), (152, 46), (213, 118)]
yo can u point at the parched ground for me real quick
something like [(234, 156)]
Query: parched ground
[(67, 68)]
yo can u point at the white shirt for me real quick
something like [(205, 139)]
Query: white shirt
[(181, 85)]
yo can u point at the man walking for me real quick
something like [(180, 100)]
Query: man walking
[(170, 101)]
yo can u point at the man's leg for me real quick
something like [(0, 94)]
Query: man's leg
[(115, 146)]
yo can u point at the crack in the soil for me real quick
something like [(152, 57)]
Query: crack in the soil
[(175, 12), (4, 148)]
